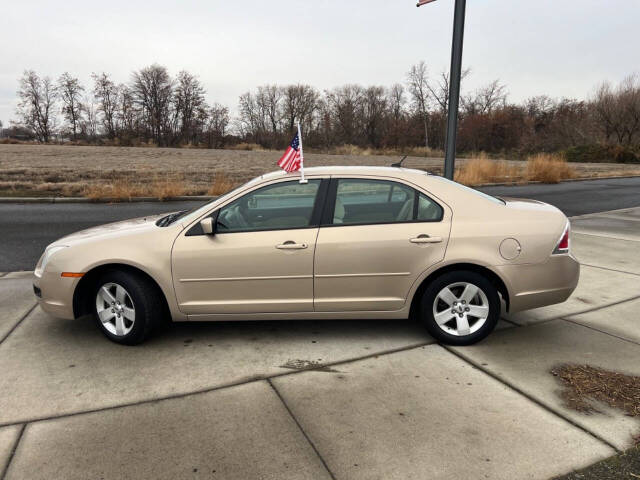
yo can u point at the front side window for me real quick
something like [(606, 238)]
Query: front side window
[(361, 201), (280, 206)]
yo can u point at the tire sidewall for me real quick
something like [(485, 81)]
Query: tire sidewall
[(132, 285), (426, 306)]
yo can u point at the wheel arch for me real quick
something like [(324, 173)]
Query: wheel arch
[(492, 276), (82, 302)]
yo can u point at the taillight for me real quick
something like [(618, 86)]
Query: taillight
[(563, 244)]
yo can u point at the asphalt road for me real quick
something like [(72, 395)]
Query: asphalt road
[(579, 198), (26, 229)]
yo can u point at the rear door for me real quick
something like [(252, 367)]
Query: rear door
[(376, 238)]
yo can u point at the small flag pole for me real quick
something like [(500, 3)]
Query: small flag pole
[(302, 179)]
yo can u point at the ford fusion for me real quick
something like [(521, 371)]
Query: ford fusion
[(349, 243)]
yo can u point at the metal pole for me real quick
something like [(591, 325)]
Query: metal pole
[(454, 87)]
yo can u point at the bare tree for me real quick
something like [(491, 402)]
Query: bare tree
[(374, 109), (152, 89), (218, 121), (617, 110), (37, 98), (268, 100), (345, 109), (629, 93), (71, 92), (252, 120), (439, 89), (188, 100), (485, 99), (298, 104), (127, 113), (89, 122), (417, 79), (106, 93), (397, 110)]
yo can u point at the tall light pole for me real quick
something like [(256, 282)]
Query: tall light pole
[(455, 74)]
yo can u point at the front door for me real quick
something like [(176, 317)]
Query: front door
[(260, 259), (380, 236)]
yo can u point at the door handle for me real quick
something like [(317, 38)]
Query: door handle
[(291, 245), (424, 238)]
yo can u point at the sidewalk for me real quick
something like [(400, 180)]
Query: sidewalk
[(331, 399)]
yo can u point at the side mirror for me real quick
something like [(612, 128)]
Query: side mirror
[(207, 225)]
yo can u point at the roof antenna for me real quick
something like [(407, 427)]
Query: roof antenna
[(399, 164)]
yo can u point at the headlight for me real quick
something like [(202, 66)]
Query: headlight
[(46, 256)]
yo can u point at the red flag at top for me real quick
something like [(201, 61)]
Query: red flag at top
[(292, 158)]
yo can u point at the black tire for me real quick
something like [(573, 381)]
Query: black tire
[(145, 298), (452, 278)]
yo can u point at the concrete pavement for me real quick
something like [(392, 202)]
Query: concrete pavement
[(342, 400)]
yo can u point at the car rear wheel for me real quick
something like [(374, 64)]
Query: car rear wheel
[(460, 308), (126, 307)]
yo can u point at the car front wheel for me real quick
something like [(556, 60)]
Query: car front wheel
[(126, 307), (460, 308)]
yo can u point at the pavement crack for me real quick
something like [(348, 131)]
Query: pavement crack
[(579, 312), (511, 322), (574, 322), (293, 417), (18, 323), (531, 398), (3, 474), (610, 269), (245, 381), (602, 235)]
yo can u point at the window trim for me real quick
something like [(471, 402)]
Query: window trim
[(314, 221), (332, 193)]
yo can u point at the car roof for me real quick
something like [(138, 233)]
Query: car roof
[(349, 170)]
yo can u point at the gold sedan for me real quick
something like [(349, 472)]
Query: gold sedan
[(350, 243)]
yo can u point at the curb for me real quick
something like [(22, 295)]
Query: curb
[(204, 198), (184, 198), (568, 180)]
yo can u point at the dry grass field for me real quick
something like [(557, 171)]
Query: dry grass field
[(123, 172)]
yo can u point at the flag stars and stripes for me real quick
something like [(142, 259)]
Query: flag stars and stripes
[(291, 160)]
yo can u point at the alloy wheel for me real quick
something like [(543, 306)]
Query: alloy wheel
[(461, 309), (115, 309)]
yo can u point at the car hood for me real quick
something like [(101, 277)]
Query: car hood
[(124, 228)]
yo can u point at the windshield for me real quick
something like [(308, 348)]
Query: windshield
[(173, 217), (472, 190), (190, 215)]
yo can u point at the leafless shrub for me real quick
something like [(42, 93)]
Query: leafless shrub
[(548, 168), (220, 184), (481, 170)]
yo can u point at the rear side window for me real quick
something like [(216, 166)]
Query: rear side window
[(362, 201), (428, 210)]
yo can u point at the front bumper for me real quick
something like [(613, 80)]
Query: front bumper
[(56, 294), (541, 284)]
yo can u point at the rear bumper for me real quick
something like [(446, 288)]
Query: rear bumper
[(542, 284), (56, 294)]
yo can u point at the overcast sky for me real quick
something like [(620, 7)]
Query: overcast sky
[(555, 47)]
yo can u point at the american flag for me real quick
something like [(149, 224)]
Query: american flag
[(292, 158)]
